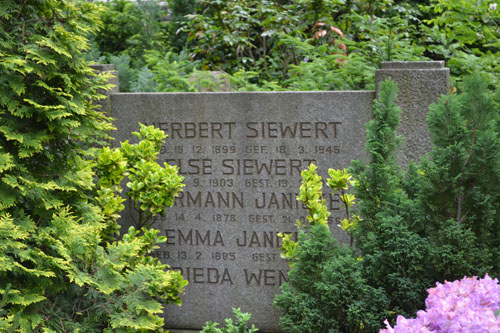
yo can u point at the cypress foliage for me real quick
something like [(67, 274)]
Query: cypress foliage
[(440, 222), (56, 272), (327, 291), (393, 253), (379, 180), (459, 183)]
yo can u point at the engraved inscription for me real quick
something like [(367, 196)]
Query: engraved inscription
[(242, 181), (265, 277), (210, 199), (194, 237), (292, 130)]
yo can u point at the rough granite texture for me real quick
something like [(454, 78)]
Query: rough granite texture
[(241, 155), (408, 65), (420, 85)]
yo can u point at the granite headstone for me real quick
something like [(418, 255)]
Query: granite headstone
[(241, 155)]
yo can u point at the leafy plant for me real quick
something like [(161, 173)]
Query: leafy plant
[(144, 81), (339, 181), (311, 195), (170, 70), (152, 188), (437, 222), (239, 325), (131, 28), (298, 45), (126, 72), (464, 33), (455, 190), (179, 9), (303, 45)]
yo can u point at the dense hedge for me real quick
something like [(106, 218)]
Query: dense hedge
[(437, 221), (61, 266)]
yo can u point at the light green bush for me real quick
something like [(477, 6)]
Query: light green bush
[(61, 266)]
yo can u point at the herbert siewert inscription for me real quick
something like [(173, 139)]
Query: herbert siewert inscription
[(256, 130)]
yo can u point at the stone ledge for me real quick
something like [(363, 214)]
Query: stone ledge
[(412, 65)]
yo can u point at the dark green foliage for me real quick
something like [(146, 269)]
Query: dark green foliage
[(438, 222), (171, 71), (299, 45), (465, 33), (461, 176), (130, 29), (326, 291), (395, 259), (60, 269), (380, 179), (179, 9), (302, 45)]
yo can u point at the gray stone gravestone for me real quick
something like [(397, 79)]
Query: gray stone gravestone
[(241, 155)]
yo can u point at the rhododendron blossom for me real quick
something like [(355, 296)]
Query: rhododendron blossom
[(466, 305)]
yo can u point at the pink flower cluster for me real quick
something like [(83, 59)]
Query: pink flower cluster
[(468, 305)]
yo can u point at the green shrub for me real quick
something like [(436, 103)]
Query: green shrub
[(303, 45), (129, 30), (466, 34), (61, 268), (178, 10), (298, 45), (439, 220), (170, 70), (326, 291)]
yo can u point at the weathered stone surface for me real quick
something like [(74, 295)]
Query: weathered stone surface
[(241, 155), (420, 84)]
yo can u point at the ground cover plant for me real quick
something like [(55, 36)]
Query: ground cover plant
[(239, 325), (436, 221), (62, 265)]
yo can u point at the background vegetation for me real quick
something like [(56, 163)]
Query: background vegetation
[(293, 45)]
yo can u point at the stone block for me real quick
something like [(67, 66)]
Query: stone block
[(241, 154), (420, 84)]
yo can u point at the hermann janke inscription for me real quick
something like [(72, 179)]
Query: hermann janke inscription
[(241, 155)]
